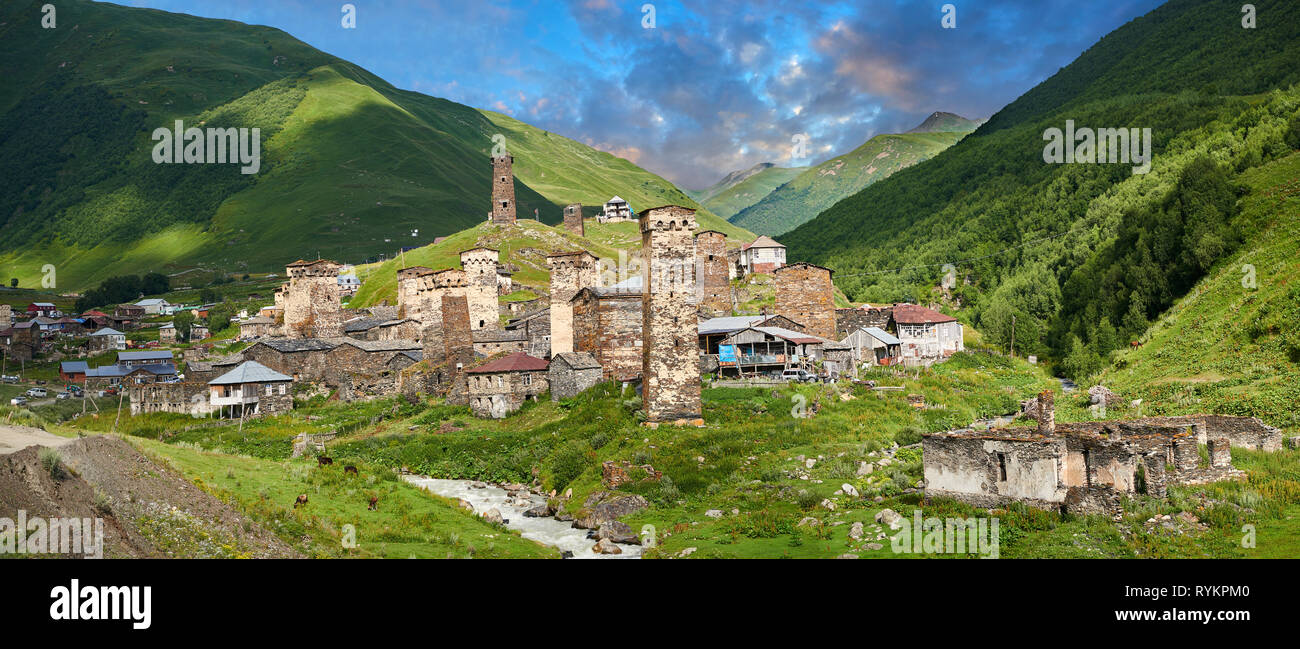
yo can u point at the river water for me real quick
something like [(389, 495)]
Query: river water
[(546, 530)]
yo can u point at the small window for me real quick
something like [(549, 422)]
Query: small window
[(528, 379), (501, 381), (1002, 467)]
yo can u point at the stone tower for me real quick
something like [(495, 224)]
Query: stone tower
[(570, 272), (573, 219), (711, 266), (670, 365), (458, 344), (408, 291), (805, 294), (311, 303), (480, 266), (503, 190), (432, 288)]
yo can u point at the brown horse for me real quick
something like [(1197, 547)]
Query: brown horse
[(374, 504), (302, 500), (350, 469), (324, 460)]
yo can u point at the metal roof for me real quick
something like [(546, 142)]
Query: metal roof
[(729, 324), (144, 356), (106, 331), (250, 372), (882, 335)]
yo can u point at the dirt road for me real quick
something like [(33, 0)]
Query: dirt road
[(16, 438)]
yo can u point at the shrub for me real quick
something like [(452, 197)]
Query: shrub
[(52, 462), (599, 440), (806, 499), (908, 436), (568, 462)]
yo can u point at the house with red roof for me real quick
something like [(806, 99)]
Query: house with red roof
[(925, 335), (500, 387)]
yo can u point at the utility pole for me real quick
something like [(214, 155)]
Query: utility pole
[(1013, 335)]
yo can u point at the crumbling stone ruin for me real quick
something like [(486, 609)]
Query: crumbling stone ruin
[(573, 219), (570, 272), (608, 323), (311, 301), (408, 291), (432, 287), (713, 276), (503, 190), (480, 266), (670, 355), (805, 294), (1085, 467)]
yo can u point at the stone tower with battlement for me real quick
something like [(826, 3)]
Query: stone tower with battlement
[(503, 190), (408, 291), (713, 277), (570, 272), (480, 266), (805, 294), (670, 366), (573, 219), (431, 289), (311, 300)]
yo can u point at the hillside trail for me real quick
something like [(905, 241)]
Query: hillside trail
[(17, 438)]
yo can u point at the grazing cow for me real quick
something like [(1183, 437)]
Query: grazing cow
[(324, 460), (1135, 344), (374, 504), (302, 500), (350, 469)]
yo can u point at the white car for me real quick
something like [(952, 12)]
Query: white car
[(63, 395), (37, 393), (801, 376), (18, 401)]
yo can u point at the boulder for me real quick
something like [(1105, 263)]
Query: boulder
[(849, 490), (493, 516), (865, 468), (541, 511), (827, 504), (607, 506), (1100, 394), (606, 546), (855, 532), (714, 513), (618, 532), (889, 517)]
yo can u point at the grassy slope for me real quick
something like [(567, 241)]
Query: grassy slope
[(800, 200), (1223, 347), (727, 202), (348, 160)]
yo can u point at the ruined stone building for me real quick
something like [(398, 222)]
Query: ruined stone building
[(712, 269), (607, 323), (458, 344), (500, 387), (494, 342), (572, 373), (431, 289), (311, 302), (670, 357), (535, 327), (1085, 467), (570, 272), (503, 190), (805, 294), (848, 321), (573, 219), (480, 266)]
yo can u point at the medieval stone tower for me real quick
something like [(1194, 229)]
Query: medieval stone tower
[(480, 266), (711, 266), (670, 366), (570, 272), (503, 190), (431, 289), (573, 219), (408, 291), (805, 294), (458, 344), (311, 303)]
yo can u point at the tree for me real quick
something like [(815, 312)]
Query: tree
[(13, 282), (219, 317), (183, 321), (209, 296)]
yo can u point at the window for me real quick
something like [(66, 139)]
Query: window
[(1002, 467), (528, 379), (501, 381)]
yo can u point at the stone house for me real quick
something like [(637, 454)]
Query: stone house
[(805, 293), (256, 327), (251, 390), (185, 397), (167, 333), (607, 324), (926, 336), (848, 321), (762, 255), (536, 328), (303, 359), (615, 210), (199, 331), (107, 339), (500, 387), (489, 342), (311, 300), (572, 373)]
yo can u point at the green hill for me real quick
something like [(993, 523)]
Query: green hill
[(805, 196), (1084, 256), (350, 164), (740, 189)]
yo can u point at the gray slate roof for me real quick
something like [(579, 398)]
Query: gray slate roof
[(250, 372), (287, 345), (577, 360)]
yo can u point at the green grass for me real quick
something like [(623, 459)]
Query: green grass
[(726, 199), (409, 522)]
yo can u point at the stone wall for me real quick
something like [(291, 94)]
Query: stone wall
[(408, 291), (311, 303), (608, 325), (503, 190), (570, 272), (571, 374), (713, 277), (431, 289), (458, 340), (188, 398), (988, 470), (573, 219), (670, 357), (480, 265), (1241, 432), (495, 395), (848, 321), (805, 294)]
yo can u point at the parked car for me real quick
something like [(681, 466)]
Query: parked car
[(63, 395), (800, 376), (18, 401), (37, 393), (9, 379)]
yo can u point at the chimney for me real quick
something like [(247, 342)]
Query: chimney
[(1046, 413)]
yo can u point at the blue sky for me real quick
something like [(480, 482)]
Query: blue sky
[(715, 85)]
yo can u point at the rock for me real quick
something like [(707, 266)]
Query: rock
[(478, 485), (687, 552), (865, 468), (827, 504), (855, 532), (1100, 394), (566, 554), (568, 493), (849, 489), (809, 463), (808, 521), (1293, 442), (607, 506), (885, 461), (714, 513), (606, 546), (618, 532), (493, 516), (847, 556), (889, 517), (464, 504), (735, 511), (878, 499), (875, 546), (920, 484), (541, 511)]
